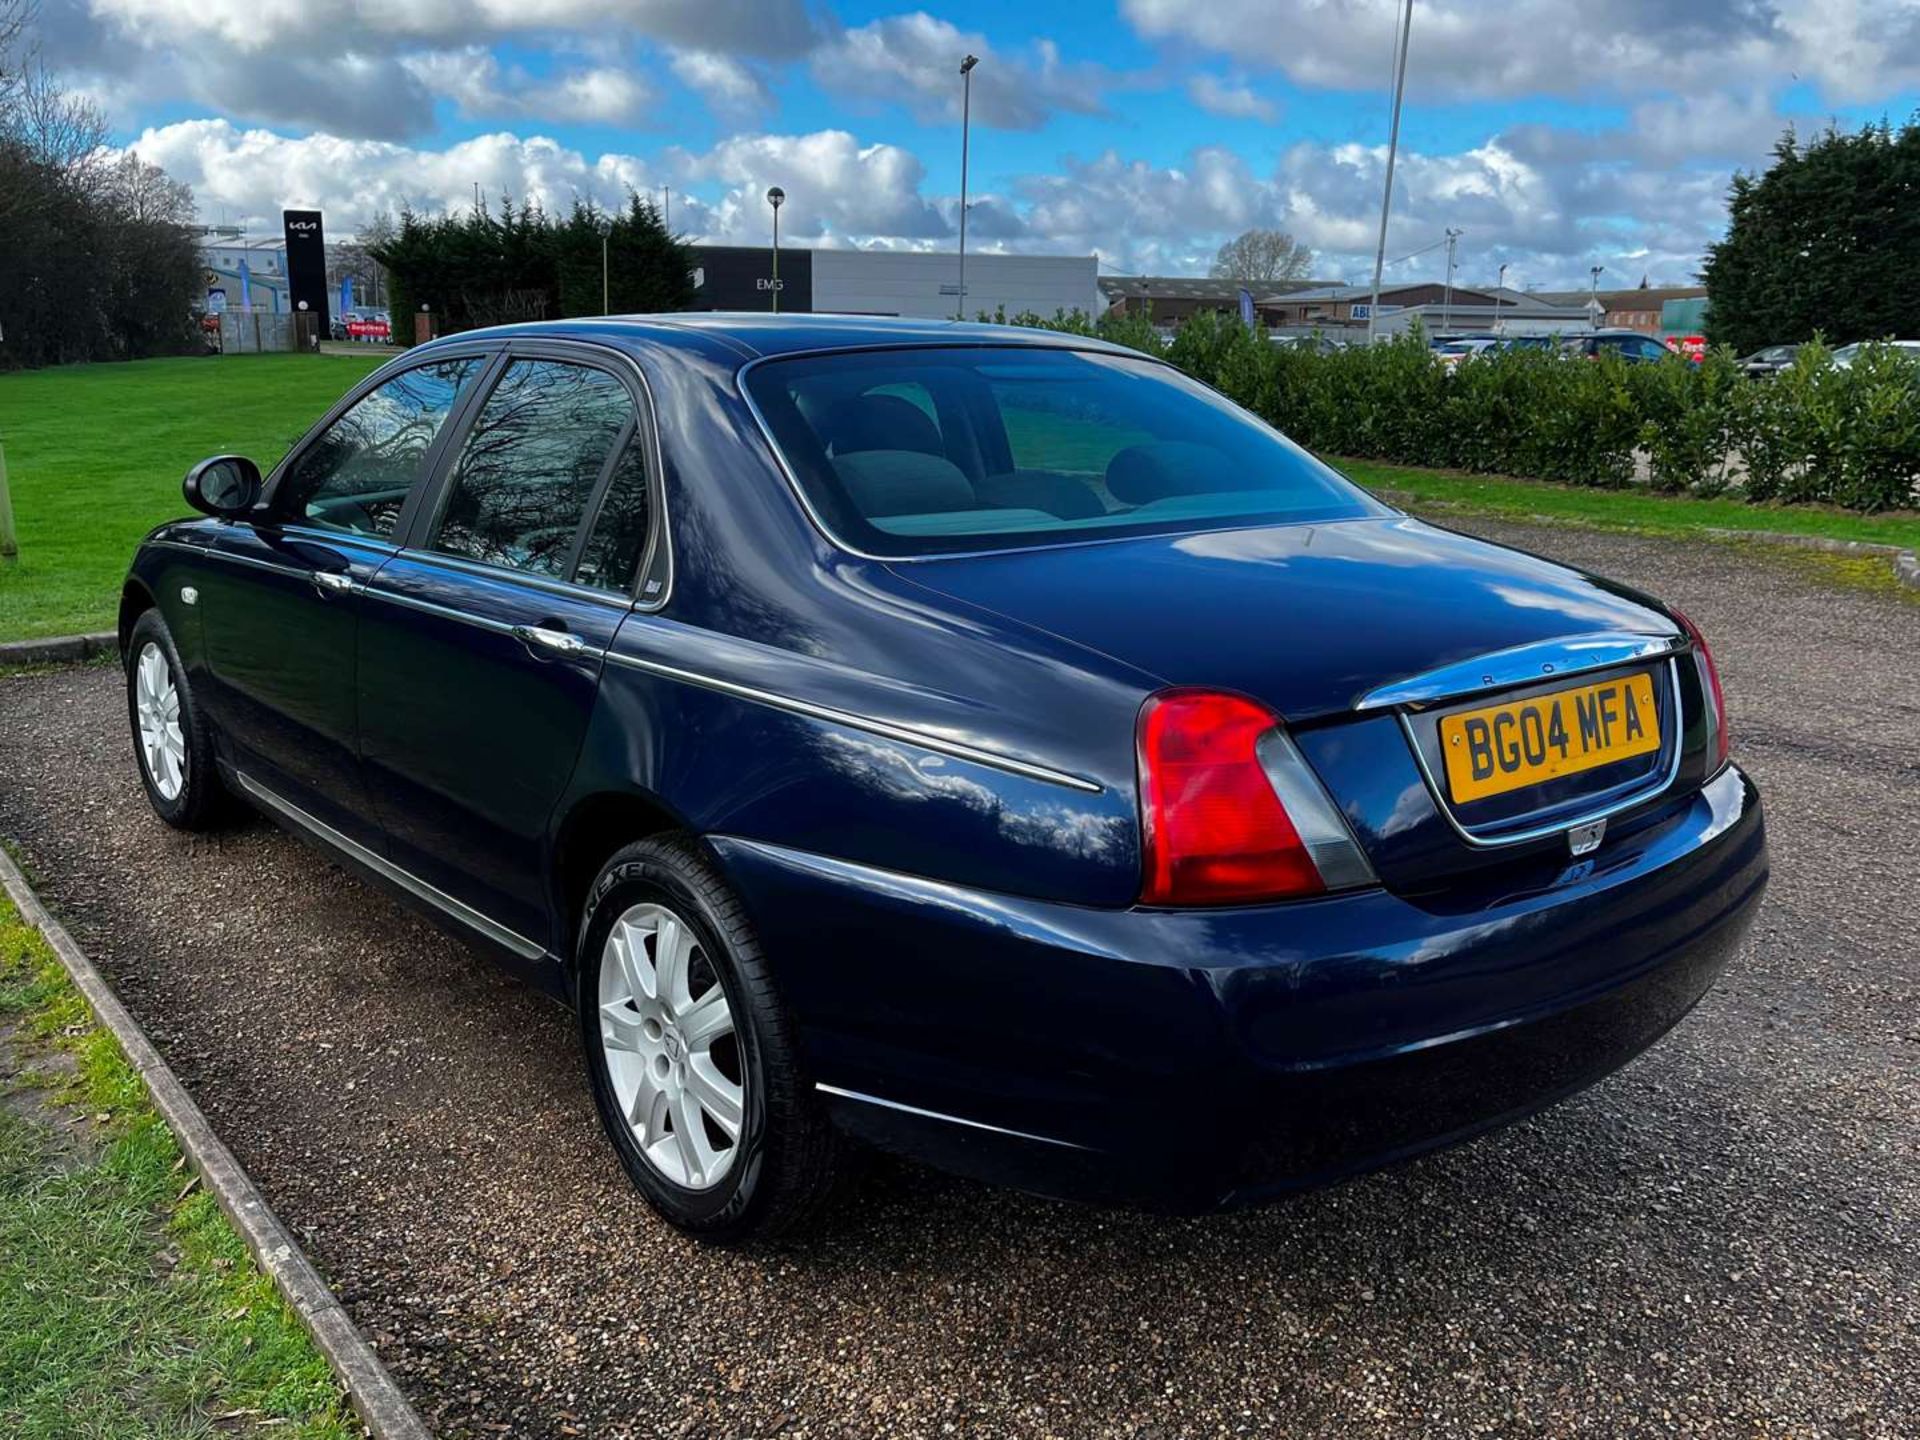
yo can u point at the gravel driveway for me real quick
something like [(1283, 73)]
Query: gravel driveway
[(1722, 1240)]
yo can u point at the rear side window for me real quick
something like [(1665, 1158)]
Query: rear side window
[(611, 556), (357, 475), (947, 449), (532, 465)]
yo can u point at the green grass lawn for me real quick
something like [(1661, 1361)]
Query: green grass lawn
[(1635, 509), (128, 1306), (95, 454)]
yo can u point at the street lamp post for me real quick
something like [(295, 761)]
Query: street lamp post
[(1594, 312), (966, 117), (1393, 150), (1499, 313), (606, 230), (776, 197)]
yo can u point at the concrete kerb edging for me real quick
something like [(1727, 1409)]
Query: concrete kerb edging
[(58, 650), (1906, 564), (373, 1393)]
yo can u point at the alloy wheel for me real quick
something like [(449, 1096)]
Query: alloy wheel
[(163, 745), (672, 1051)]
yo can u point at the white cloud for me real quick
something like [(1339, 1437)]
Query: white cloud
[(838, 190), (1223, 97), (753, 27), (251, 175), (732, 89), (476, 82), (1854, 49), (1517, 197), (914, 60)]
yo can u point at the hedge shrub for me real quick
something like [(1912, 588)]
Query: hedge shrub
[(1816, 433)]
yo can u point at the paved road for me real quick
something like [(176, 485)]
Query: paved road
[(1723, 1240)]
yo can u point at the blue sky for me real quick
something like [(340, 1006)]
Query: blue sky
[(1555, 135)]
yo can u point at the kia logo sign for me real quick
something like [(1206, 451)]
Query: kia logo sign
[(303, 225)]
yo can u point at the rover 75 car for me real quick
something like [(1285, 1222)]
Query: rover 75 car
[(984, 743)]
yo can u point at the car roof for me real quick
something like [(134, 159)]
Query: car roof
[(752, 335)]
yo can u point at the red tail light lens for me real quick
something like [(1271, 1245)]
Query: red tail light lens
[(1719, 742), (1216, 833)]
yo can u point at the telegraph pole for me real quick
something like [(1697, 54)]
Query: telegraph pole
[(1446, 308)]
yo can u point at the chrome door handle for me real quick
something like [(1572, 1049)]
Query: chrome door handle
[(558, 641), (331, 582)]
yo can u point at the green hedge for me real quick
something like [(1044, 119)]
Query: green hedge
[(1818, 433)]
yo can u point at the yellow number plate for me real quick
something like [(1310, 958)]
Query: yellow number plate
[(1527, 742)]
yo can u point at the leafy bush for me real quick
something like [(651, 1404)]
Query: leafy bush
[(1839, 435)]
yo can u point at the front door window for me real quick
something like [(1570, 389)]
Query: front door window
[(356, 477)]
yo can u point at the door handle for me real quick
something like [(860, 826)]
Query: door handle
[(332, 582), (558, 641)]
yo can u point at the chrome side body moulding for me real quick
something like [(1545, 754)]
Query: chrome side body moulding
[(926, 741), (841, 1094)]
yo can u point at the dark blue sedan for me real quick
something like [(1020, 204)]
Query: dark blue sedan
[(988, 744)]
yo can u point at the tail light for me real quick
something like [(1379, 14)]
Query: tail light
[(1230, 811), (1718, 740)]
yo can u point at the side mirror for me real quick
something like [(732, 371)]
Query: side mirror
[(225, 486)]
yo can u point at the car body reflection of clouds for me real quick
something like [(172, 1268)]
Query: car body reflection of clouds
[(889, 767)]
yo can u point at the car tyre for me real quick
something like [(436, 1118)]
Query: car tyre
[(648, 1022), (172, 741)]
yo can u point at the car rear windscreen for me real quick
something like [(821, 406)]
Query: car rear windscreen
[(930, 451)]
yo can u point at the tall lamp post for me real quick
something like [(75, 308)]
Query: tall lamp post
[(776, 197), (1499, 314), (966, 117), (1393, 150), (1594, 312), (606, 230)]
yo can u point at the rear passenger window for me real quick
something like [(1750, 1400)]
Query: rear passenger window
[(531, 464), (612, 554)]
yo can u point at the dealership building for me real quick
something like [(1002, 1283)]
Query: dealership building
[(892, 282)]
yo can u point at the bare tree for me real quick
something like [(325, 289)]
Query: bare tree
[(1262, 255), (97, 256), (14, 15), (144, 194)]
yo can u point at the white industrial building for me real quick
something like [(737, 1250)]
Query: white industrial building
[(904, 282), (892, 282)]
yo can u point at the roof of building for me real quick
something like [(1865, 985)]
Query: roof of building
[(1650, 298), (1192, 287)]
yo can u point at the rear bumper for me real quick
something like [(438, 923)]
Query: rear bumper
[(1196, 1059)]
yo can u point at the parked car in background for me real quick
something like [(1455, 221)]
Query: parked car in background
[(1465, 348), (1847, 354), (1319, 344), (1764, 364), (1527, 342), (992, 745), (1630, 345)]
